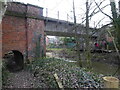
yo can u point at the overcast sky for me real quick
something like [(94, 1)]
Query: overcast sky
[(65, 7)]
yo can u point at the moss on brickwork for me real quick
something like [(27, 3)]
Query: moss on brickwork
[(37, 52)]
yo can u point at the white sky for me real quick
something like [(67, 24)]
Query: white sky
[(65, 7)]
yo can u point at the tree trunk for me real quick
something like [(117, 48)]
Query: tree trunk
[(88, 53), (77, 38)]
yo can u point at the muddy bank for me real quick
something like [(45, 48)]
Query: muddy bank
[(105, 63), (108, 58)]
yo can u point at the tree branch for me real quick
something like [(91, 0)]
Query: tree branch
[(93, 13), (98, 5), (102, 11), (99, 22), (102, 27)]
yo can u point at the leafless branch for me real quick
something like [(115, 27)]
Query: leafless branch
[(98, 5), (102, 11), (99, 22), (93, 13), (90, 5), (102, 27)]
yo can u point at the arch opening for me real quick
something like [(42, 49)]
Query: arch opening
[(14, 60)]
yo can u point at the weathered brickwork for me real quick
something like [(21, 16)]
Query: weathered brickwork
[(35, 35), (34, 11), (23, 30), (0, 41), (16, 7), (13, 37)]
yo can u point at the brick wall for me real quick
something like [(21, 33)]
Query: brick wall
[(0, 40), (34, 11), (23, 33), (35, 35), (16, 7), (14, 37)]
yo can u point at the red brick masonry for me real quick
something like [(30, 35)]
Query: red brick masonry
[(23, 30)]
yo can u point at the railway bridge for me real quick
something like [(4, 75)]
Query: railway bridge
[(24, 29)]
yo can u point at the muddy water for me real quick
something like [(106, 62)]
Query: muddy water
[(98, 67), (103, 68)]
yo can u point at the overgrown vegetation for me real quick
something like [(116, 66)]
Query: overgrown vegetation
[(5, 74), (70, 74)]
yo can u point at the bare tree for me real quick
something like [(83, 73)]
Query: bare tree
[(87, 37), (88, 54), (116, 23), (77, 38)]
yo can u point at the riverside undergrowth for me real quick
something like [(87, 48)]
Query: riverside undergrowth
[(69, 74)]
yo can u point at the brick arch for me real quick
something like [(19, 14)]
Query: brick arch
[(15, 60)]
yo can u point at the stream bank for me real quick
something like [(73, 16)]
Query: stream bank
[(102, 63)]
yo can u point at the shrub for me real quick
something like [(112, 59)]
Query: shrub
[(5, 74)]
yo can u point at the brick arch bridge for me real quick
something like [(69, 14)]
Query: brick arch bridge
[(24, 29)]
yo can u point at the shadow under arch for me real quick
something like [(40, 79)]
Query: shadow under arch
[(14, 60)]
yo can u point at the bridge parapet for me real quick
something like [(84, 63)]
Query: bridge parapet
[(24, 10), (57, 27)]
